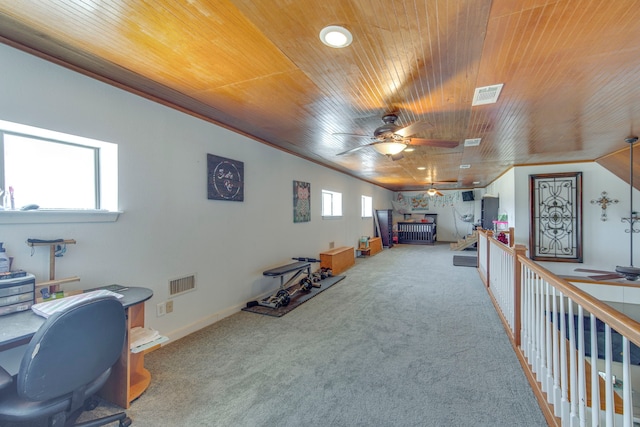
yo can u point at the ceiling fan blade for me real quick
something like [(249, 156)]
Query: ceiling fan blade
[(434, 142), (354, 149), (413, 129), (587, 270), (357, 135), (611, 276)]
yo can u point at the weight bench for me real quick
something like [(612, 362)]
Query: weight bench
[(298, 268)]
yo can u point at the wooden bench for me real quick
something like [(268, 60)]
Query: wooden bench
[(338, 259), (373, 246)]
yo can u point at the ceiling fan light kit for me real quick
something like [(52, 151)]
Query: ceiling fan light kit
[(336, 36), (389, 148)]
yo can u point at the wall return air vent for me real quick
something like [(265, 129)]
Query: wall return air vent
[(486, 95), (182, 285)]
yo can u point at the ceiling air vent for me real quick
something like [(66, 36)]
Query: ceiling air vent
[(473, 142), (465, 166), (486, 95)]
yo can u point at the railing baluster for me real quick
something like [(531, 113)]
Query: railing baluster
[(573, 380), (536, 325), (548, 361), (543, 335), (564, 401), (582, 399), (608, 377), (595, 378), (626, 384), (557, 392)]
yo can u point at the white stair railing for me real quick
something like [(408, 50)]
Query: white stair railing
[(548, 319)]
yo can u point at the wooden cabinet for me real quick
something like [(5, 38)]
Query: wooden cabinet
[(385, 225)]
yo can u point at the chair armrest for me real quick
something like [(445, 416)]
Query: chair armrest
[(5, 378)]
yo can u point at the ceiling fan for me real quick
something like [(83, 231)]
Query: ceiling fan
[(391, 139), (432, 191)]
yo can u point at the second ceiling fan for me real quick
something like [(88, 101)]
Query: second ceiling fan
[(391, 139)]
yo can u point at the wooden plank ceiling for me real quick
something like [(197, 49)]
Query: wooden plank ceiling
[(570, 71)]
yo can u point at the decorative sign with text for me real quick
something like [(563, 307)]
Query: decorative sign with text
[(225, 179)]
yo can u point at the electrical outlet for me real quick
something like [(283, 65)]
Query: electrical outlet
[(331, 245), (161, 309), (169, 306)]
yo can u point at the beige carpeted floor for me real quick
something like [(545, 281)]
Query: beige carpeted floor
[(406, 339)]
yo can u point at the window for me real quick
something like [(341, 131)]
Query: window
[(55, 170), (331, 203), (367, 206)]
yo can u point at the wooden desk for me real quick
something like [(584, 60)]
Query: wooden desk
[(128, 380)]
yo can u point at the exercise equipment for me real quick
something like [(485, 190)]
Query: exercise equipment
[(282, 297)]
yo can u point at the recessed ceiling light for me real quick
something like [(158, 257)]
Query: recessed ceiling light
[(465, 166), (336, 36), (409, 150), (420, 168), (476, 182)]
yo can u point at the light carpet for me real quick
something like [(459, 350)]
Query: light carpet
[(406, 339)]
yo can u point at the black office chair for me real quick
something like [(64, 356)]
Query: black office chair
[(67, 361)]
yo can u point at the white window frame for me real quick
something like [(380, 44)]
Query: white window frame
[(367, 206), (334, 201), (106, 179)]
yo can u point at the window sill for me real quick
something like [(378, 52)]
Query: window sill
[(57, 216)]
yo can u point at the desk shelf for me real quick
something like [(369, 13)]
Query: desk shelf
[(129, 378)]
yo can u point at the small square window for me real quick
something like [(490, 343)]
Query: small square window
[(331, 203)]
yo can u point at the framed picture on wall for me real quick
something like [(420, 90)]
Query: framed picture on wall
[(225, 179), (556, 217), (301, 201)]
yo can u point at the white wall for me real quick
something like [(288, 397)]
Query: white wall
[(605, 243), (450, 208), (169, 228)]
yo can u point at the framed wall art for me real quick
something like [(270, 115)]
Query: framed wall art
[(225, 179), (556, 217), (301, 201)]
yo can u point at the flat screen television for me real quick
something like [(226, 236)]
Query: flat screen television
[(467, 196)]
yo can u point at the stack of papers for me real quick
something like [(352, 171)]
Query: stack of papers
[(142, 338), (46, 309)]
